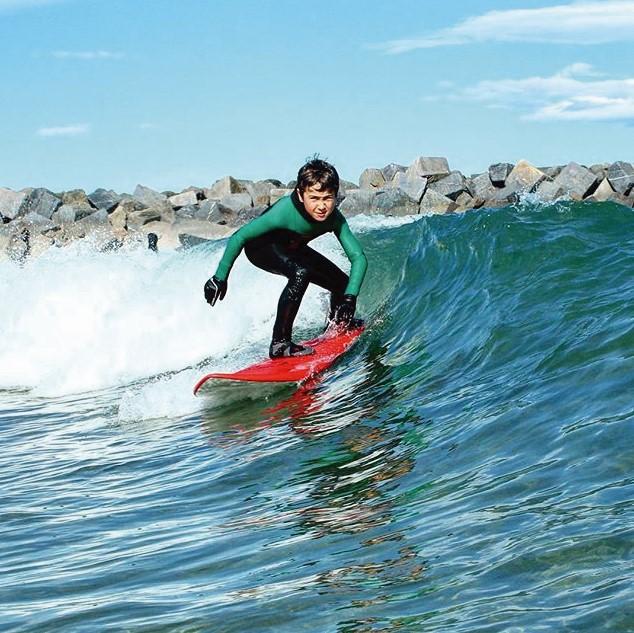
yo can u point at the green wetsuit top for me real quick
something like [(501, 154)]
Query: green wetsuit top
[(287, 221)]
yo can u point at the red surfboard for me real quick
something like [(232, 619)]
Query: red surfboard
[(328, 347)]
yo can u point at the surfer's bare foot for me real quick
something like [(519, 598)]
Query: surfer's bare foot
[(283, 349)]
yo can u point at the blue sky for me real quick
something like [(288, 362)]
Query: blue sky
[(166, 93)]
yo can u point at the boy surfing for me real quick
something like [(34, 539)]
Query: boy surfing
[(277, 242)]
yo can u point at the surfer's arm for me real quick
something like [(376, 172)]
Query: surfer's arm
[(216, 286), (268, 221), (354, 251)]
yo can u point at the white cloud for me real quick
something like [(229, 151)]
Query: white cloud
[(87, 55), (66, 130), (587, 109), (575, 93), (592, 22)]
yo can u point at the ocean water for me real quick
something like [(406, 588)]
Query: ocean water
[(468, 466)]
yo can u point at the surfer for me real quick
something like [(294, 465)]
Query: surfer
[(277, 241)]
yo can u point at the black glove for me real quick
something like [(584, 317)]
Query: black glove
[(344, 312), (215, 289)]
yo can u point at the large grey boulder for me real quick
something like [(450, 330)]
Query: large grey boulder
[(193, 232), (509, 194), (465, 202), (75, 197), (132, 208), (600, 170), (603, 192), (119, 219), (97, 227), (525, 176), (246, 214), (389, 171), (217, 213), (498, 173), (576, 181), (66, 214), (481, 187), (549, 191), (279, 192), (186, 233), (551, 172), (129, 205), (199, 191), (34, 222), (167, 212), (621, 177), (148, 197), (203, 210), (183, 199), (137, 219), (357, 202), (10, 202), (393, 202), (225, 187), (97, 223), (450, 186), (411, 183), (371, 178), (102, 199), (99, 218), (40, 201), (237, 201), (248, 186), (261, 193), (344, 185), (430, 167), (434, 202), (189, 211)]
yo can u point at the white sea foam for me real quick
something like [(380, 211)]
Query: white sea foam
[(76, 320), (364, 223)]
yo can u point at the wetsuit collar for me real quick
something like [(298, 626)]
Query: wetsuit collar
[(299, 205)]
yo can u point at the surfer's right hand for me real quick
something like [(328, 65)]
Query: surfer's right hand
[(215, 289), (344, 312)]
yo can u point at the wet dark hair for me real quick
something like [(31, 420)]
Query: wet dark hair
[(317, 173)]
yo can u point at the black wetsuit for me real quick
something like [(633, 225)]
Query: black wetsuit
[(277, 242)]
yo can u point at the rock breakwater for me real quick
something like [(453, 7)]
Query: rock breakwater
[(36, 219)]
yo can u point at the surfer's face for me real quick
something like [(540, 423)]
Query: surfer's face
[(319, 204)]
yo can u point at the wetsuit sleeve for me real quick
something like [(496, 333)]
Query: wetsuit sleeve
[(354, 252), (259, 226)]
